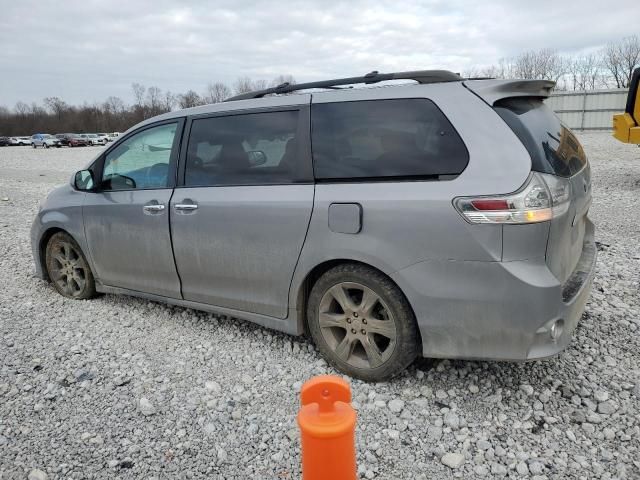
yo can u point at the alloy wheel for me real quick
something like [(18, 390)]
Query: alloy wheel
[(68, 270), (357, 325)]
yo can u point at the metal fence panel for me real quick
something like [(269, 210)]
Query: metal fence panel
[(590, 109)]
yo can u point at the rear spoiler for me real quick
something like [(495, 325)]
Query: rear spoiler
[(493, 90), (626, 126)]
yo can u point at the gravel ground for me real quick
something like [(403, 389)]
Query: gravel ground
[(123, 387)]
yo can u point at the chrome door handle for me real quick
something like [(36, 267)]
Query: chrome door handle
[(185, 206), (153, 208)]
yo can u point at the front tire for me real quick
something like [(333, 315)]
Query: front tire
[(362, 323), (45, 145), (68, 268)]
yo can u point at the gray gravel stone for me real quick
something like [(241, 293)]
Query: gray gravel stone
[(36, 474), (527, 389), (452, 460), (606, 408), (228, 390), (146, 408), (396, 405), (522, 468), (452, 420)]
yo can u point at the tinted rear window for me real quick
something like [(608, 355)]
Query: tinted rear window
[(378, 139), (552, 146)]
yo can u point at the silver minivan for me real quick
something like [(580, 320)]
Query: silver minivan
[(442, 218)]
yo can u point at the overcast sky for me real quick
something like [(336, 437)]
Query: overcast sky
[(82, 50)]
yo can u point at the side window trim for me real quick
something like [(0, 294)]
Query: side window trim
[(97, 167), (303, 133)]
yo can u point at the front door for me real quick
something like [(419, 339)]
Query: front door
[(240, 218), (127, 220)]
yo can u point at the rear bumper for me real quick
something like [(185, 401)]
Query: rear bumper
[(496, 310)]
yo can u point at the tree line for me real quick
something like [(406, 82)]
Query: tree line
[(611, 67), (114, 115)]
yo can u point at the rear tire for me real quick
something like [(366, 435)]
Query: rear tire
[(68, 268), (362, 323), (45, 145)]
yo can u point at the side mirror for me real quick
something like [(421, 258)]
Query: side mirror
[(257, 157), (83, 181)]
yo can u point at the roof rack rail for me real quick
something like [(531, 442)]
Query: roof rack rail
[(420, 76)]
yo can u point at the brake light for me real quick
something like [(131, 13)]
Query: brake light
[(542, 198)]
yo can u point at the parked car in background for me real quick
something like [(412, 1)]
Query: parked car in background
[(103, 136), (72, 140), (14, 141), (448, 219), (45, 140), (63, 138), (4, 142), (94, 139), (113, 136), (24, 141)]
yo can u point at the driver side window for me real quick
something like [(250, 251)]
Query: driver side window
[(141, 161)]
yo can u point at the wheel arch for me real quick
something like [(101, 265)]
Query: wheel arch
[(316, 272), (42, 247)]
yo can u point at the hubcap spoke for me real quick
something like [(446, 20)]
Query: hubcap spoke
[(369, 300), (344, 348), (341, 296), (66, 251), (374, 355), (328, 320), (386, 328), (79, 280)]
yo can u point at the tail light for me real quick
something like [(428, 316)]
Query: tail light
[(542, 198)]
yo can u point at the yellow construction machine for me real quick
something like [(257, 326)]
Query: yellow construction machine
[(626, 126)]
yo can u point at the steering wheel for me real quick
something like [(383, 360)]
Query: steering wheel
[(157, 170)]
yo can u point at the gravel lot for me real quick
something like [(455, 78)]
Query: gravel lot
[(122, 387)]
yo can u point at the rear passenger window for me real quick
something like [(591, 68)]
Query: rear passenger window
[(246, 149), (406, 138)]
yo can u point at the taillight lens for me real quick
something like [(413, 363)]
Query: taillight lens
[(542, 198)]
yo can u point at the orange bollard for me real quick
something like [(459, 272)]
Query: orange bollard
[(327, 429)]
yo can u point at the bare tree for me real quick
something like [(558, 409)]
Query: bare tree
[(243, 85), (169, 101), (544, 64), (114, 105), (56, 105), (138, 93), (585, 72), (189, 99), (154, 99), (217, 92), (620, 59), (259, 84), (22, 109)]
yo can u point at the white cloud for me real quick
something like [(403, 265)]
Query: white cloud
[(87, 50)]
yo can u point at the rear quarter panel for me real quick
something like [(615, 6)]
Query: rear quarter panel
[(404, 223)]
